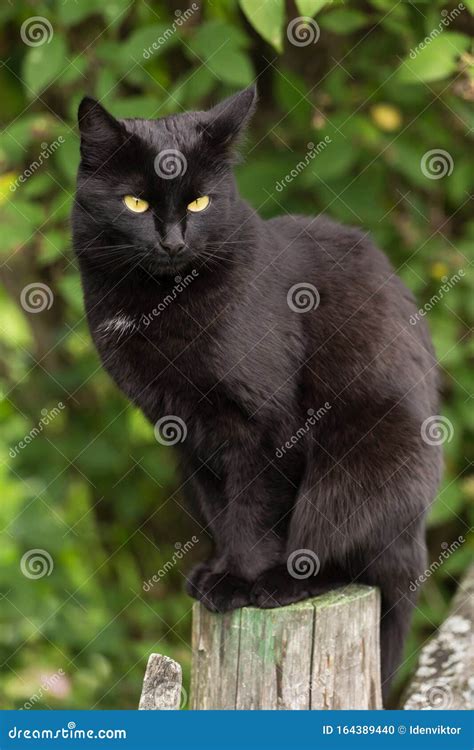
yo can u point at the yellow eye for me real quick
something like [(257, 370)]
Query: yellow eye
[(199, 204), (135, 204)]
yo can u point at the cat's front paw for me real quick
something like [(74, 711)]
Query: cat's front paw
[(195, 577), (276, 588), (222, 592)]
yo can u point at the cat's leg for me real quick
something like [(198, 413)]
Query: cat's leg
[(298, 579), (204, 497), (245, 529)]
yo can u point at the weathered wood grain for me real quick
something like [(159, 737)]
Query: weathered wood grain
[(318, 654), (162, 686), (444, 678)]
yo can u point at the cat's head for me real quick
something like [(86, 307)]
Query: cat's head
[(158, 193)]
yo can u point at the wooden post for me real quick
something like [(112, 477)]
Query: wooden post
[(443, 679), (322, 653), (162, 686)]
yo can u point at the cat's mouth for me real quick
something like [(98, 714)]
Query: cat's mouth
[(160, 261)]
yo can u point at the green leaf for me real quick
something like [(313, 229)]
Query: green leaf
[(135, 106), (310, 7), (231, 66), (213, 36), (267, 19), (342, 21), (67, 156), (42, 64), (145, 44), (73, 13), (291, 94), (436, 60), (22, 220)]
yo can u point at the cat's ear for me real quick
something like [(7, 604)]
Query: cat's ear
[(101, 134), (228, 119)]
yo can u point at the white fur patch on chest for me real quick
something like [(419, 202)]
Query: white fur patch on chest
[(120, 324)]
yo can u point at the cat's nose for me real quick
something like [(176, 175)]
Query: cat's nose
[(173, 240)]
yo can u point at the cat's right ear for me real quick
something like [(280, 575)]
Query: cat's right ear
[(227, 121), (101, 134)]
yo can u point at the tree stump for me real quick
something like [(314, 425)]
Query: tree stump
[(162, 687), (322, 653), (444, 676)]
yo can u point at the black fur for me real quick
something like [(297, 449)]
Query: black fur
[(229, 356)]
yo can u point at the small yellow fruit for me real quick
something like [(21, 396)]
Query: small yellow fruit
[(7, 186), (439, 270), (386, 116)]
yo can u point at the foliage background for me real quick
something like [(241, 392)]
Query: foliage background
[(89, 488)]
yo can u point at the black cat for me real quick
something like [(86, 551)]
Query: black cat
[(282, 353)]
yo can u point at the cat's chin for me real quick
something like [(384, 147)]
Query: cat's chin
[(163, 267)]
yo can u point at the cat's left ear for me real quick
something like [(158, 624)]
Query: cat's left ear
[(228, 119)]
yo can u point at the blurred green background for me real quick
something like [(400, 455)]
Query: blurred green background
[(94, 489)]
